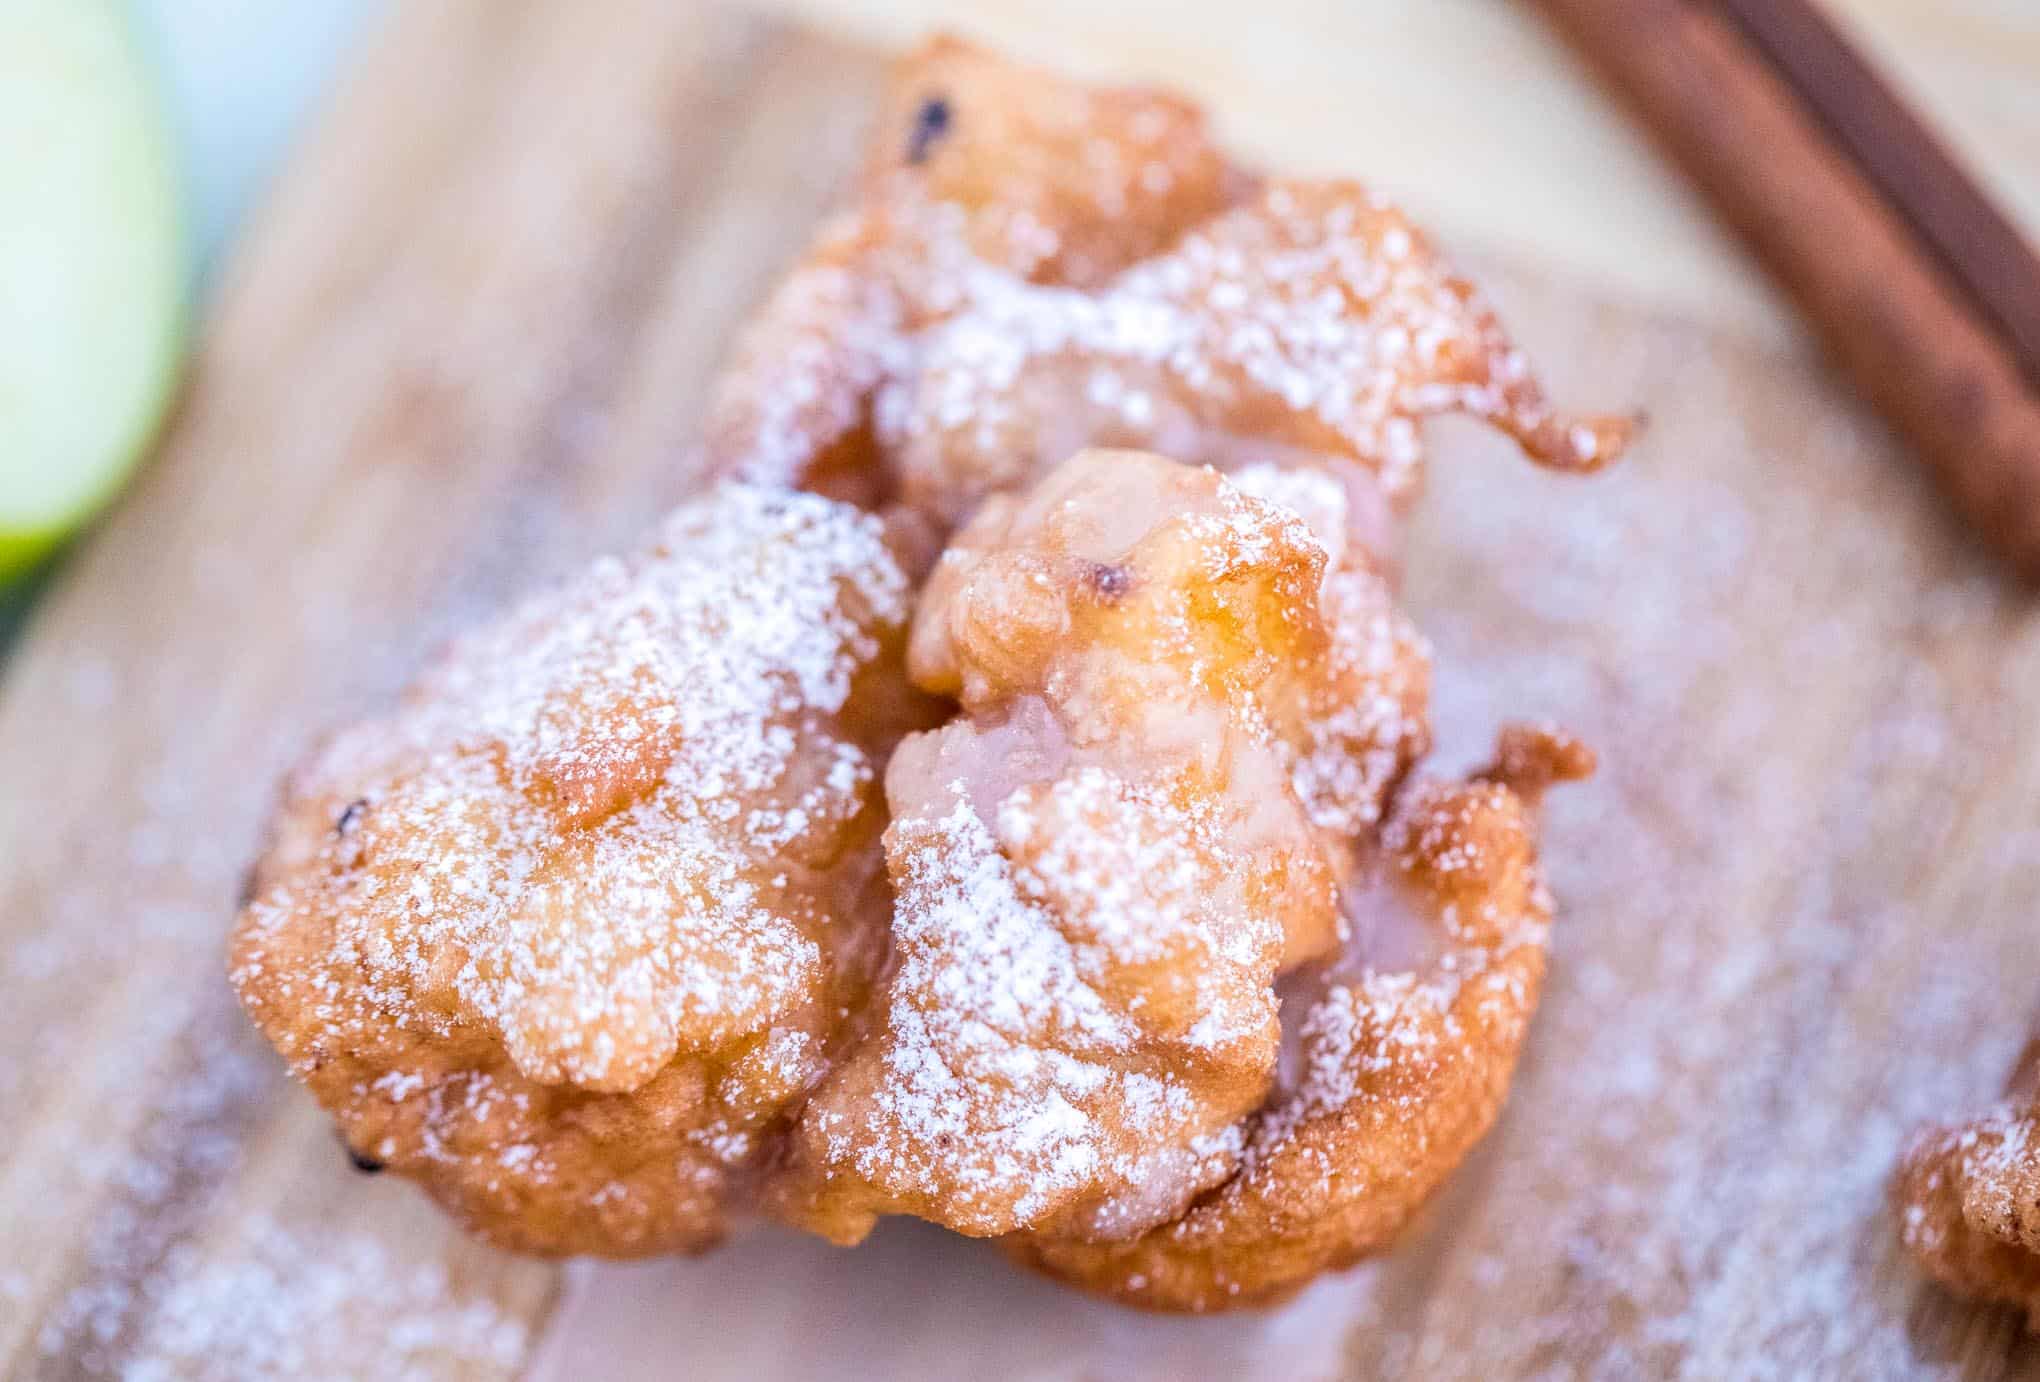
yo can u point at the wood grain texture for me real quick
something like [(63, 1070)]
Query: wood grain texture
[(464, 348)]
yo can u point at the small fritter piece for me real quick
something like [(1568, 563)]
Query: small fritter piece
[(1103, 863), (1968, 1198), (979, 168), (569, 934), (1312, 322), (1402, 1054)]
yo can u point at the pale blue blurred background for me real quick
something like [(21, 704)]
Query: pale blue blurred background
[(238, 80)]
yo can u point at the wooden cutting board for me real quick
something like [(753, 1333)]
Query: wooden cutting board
[(464, 349)]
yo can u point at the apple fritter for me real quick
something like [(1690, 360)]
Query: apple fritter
[(1102, 864), (568, 935), (1076, 891)]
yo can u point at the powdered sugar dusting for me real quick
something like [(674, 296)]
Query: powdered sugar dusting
[(1312, 317), (1312, 494), (1022, 1065), (287, 1305), (992, 1030), (523, 789), (1029, 178), (1992, 1156), (1100, 866)]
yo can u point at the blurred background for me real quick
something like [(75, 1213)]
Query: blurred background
[(238, 79), (231, 81)]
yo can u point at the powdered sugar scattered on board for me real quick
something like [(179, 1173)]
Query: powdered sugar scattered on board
[(157, 1185), (289, 1305), (1690, 1180), (1093, 888), (161, 1080)]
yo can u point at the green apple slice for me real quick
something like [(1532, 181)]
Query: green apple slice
[(91, 266)]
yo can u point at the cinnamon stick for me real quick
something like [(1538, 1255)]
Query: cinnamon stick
[(1974, 243), (1944, 377)]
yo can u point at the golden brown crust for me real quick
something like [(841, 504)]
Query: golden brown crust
[(1400, 1073), (1103, 863), (1968, 1198), (566, 937)]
